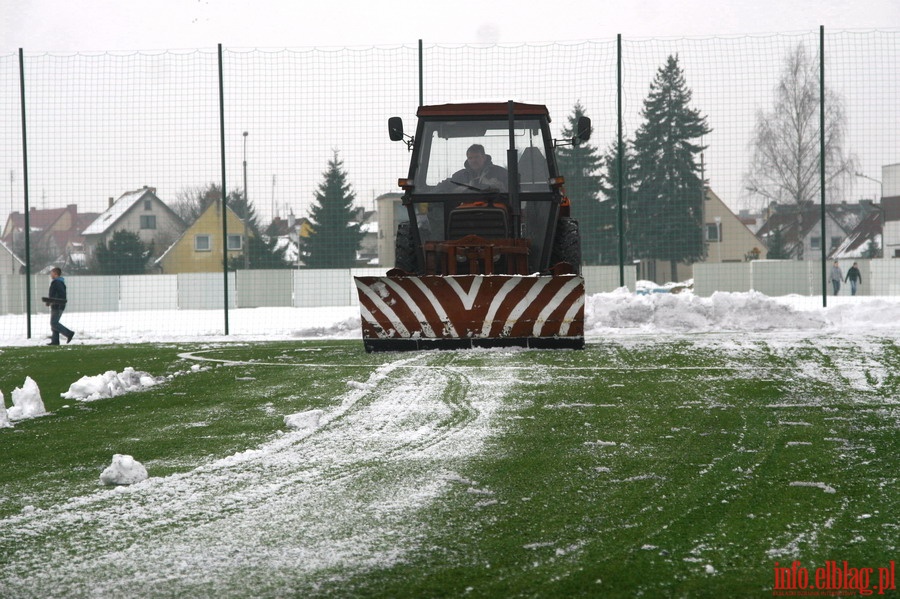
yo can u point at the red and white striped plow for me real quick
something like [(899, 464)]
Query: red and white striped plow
[(446, 312)]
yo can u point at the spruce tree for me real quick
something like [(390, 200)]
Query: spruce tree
[(580, 164), (335, 236), (125, 254), (609, 204), (666, 214)]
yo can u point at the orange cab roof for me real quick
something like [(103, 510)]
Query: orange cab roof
[(482, 109)]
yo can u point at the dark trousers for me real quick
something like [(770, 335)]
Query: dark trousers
[(57, 327)]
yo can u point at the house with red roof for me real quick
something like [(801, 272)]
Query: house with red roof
[(55, 235)]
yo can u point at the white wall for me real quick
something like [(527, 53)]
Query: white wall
[(710, 277), (603, 279), (204, 290), (257, 288), (141, 292), (312, 288)]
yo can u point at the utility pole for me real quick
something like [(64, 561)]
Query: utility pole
[(246, 247)]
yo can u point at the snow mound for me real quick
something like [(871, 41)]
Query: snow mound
[(304, 421), (110, 384), (4, 416), (124, 470), (27, 402), (668, 312)]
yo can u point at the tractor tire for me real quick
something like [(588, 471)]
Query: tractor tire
[(567, 244), (405, 249)]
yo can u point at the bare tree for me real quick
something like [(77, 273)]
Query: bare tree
[(786, 148)]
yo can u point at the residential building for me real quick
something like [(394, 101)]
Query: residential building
[(728, 237), (140, 212), (864, 241), (200, 248), (55, 236), (798, 230), (890, 202), (10, 264)]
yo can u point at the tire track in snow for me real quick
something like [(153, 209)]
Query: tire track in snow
[(342, 497)]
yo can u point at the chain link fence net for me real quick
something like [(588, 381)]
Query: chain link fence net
[(717, 183)]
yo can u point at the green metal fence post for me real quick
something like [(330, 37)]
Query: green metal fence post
[(822, 161), (620, 166), (224, 188), (26, 208)]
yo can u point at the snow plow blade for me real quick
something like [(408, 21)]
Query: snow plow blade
[(401, 313)]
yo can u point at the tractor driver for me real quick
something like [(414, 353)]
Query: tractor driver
[(480, 173)]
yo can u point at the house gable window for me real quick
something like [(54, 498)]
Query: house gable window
[(713, 232), (836, 241), (235, 242), (815, 242), (202, 243), (148, 204), (148, 221)]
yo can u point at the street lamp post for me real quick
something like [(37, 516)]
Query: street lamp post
[(246, 241), (880, 184)]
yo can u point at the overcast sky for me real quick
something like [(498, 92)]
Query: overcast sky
[(90, 25)]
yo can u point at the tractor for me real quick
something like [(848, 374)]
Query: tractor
[(487, 253)]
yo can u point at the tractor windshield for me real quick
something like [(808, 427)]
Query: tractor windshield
[(471, 157)]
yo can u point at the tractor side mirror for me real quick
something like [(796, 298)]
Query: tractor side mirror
[(584, 129), (395, 128)]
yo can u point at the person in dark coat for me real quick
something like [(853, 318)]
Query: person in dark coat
[(480, 172), (57, 303), (855, 278)]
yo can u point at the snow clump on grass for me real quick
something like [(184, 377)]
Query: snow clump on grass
[(27, 402), (110, 384), (124, 470)]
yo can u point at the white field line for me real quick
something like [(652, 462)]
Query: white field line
[(274, 520)]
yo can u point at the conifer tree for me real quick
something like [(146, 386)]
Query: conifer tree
[(609, 203), (125, 254), (335, 236), (580, 164), (666, 214)]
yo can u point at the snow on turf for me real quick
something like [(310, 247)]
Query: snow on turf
[(110, 384), (307, 501)]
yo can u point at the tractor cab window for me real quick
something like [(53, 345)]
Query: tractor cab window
[(470, 157)]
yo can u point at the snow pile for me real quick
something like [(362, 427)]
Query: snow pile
[(304, 421), (682, 312), (124, 470), (27, 402), (110, 384), (4, 416)]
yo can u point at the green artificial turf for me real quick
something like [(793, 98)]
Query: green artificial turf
[(683, 467)]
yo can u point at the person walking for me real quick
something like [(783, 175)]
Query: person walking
[(836, 277), (56, 299), (855, 278)]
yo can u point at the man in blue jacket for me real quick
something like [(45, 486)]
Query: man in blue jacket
[(57, 303)]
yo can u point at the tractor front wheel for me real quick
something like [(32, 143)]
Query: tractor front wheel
[(567, 244)]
